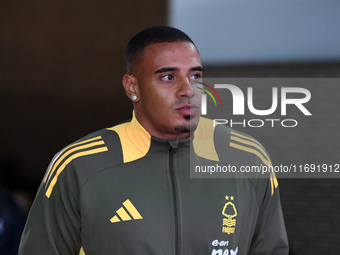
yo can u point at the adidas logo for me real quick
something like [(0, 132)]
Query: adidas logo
[(126, 213)]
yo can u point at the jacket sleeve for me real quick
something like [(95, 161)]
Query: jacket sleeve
[(270, 233), (53, 224)]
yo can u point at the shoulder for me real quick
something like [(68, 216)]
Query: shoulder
[(237, 149), (239, 143), (250, 157), (98, 143), (83, 158), (228, 144)]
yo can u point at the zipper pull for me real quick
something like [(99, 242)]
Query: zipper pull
[(174, 145), (173, 150)]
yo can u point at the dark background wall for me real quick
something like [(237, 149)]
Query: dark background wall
[(61, 66)]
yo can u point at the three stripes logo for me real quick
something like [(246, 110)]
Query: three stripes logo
[(126, 213), (204, 97)]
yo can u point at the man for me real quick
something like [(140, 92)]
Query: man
[(127, 189)]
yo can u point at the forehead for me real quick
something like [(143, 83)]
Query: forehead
[(174, 54)]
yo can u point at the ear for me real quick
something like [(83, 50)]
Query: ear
[(130, 85)]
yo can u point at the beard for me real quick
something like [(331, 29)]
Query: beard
[(188, 127)]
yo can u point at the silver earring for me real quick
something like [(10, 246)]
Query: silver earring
[(134, 97)]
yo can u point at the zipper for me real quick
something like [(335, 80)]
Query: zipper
[(175, 199)]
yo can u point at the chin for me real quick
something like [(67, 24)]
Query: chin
[(187, 126)]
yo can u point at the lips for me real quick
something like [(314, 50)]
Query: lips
[(187, 109)]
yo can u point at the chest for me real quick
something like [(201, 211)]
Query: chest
[(151, 207)]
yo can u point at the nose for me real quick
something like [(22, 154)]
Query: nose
[(185, 88)]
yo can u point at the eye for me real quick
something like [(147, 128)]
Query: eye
[(168, 77), (196, 77)]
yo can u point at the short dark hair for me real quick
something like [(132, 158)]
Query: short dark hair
[(151, 35)]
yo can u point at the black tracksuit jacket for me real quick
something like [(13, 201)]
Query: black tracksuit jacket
[(121, 191)]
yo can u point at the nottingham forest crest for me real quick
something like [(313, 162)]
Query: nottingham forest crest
[(229, 212)]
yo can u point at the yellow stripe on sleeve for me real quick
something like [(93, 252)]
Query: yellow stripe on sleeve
[(62, 167), (261, 154), (53, 165), (253, 144), (250, 150), (246, 137)]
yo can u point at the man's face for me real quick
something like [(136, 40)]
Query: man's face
[(169, 101)]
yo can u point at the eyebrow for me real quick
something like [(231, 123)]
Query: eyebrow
[(171, 69), (198, 68)]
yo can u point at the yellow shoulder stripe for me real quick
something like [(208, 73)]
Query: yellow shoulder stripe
[(53, 166), (204, 140), (250, 145), (273, 181), (246, 137), (255, 145), (135, 140), (83, 148), (258, 151), (250, 150)]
